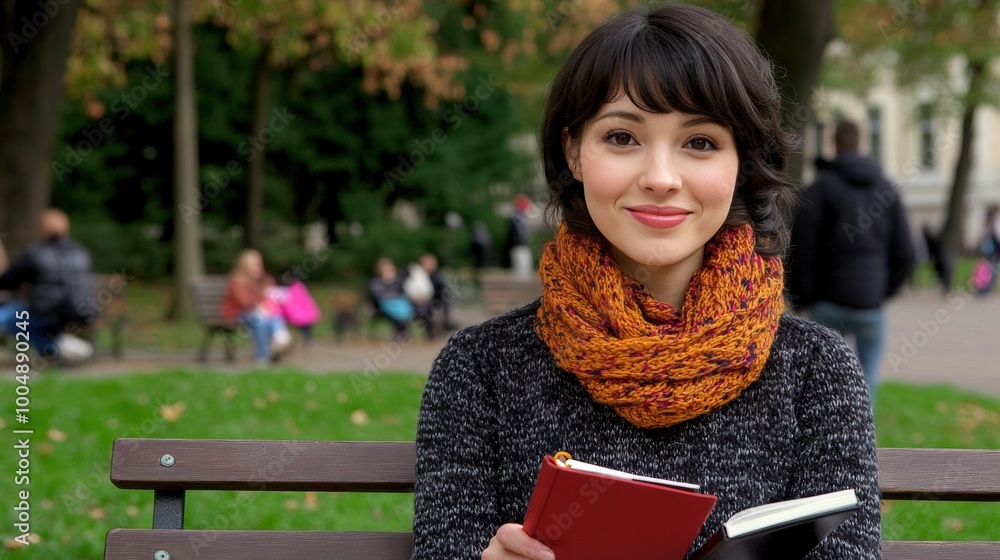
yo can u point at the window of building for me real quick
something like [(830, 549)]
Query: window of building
[(875, 133), (927, 136)]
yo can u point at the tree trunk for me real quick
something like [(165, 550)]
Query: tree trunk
[(954, 229), (33, 47), (794, 33), (255, 176), (188, 259)]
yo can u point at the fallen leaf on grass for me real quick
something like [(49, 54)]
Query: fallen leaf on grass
[(229, 392), (131, 511), (952, 524), (273, 396), (56, 435), (11, 544), (259, 402), (311, 500), (311, 405), (291, 505), (359, 418), (173, 412), (96, 513), (45, 448)]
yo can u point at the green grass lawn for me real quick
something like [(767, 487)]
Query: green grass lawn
[(76, 420)]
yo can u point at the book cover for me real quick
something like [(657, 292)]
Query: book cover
[(774, 532), (586, 515)]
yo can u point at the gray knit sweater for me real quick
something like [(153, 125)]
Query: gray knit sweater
[(496, 403)]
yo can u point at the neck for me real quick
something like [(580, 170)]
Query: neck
[(665, 283)]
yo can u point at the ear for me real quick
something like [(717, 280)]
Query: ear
[(571, 150)]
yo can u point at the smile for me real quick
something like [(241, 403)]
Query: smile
[(659, 216)]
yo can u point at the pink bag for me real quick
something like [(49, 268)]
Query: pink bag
[(982, 273), (299, 307)]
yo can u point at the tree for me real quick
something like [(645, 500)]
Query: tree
[(33, 45), (188, 257), (927, 41), (794, 33), (391, 41)]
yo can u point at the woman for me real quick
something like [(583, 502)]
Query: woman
[(659, 346), (246, 299), (385, 290)]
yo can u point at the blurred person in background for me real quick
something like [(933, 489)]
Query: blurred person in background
[(984, 273), (385, 291), (851, 249), (60, 292), (246, 299)]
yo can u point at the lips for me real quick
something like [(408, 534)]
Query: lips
[(658, 216)]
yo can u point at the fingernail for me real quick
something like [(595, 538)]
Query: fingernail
[(546, 555)]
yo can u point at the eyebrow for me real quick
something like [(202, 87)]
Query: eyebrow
[(690, 122)]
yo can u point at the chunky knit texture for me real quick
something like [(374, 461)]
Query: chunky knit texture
[(654, 364), (495, 403)]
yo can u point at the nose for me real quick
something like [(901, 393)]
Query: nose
[(661, 173)]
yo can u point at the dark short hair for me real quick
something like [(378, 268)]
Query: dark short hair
[(846, 136), (677, 58)]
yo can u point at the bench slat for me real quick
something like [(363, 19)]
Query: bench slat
[(940, 550), (243, 545), (264, 465), (939, 474)]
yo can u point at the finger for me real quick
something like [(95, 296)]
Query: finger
[(514, 539)]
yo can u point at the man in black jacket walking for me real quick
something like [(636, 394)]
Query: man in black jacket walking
[(851, 249), (58, 271)]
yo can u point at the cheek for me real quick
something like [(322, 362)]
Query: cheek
[(605, 179)]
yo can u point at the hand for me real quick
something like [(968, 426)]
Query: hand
[(512, 543)]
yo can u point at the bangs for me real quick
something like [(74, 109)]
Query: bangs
[(658, 83), (661, 71)]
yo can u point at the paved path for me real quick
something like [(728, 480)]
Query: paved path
[(931, 339)]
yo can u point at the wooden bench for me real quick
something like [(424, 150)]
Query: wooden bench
[(111, 308), (170, 467), (206, 295), (501, 291)]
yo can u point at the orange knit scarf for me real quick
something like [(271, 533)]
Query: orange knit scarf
[(655, 365)]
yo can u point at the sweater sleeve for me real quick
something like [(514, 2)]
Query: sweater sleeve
[(836, 447), (455, 512)]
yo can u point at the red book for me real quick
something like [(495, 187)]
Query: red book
[(585, 515)]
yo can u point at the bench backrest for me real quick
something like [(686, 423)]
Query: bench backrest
[(206, 295), (502, 291), (904, 474)]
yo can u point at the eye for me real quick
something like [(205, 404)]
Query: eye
[(619, 138), (702, 144)]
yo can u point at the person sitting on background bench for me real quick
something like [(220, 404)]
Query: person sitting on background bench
[(61, 295), (385, 290), (246, 300)]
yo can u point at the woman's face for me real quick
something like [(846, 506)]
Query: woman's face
[(657, 185), (252, 265)]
